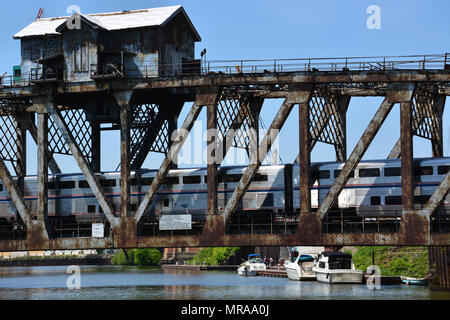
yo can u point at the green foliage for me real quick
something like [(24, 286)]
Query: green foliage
[(147, 257), (121, 259), (395, 261), (140, 257), (213, 256)]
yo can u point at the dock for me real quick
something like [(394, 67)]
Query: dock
[(273, 272), (385, 280)]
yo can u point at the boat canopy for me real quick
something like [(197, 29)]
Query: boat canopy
[(341, 255), (305, 258), (254, 255)]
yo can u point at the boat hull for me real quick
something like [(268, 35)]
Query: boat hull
[(296, 275), (251, 269), (247, 273), (336, 276)]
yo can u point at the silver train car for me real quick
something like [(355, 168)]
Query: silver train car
[(373, 189)]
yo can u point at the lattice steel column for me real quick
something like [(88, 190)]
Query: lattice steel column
[(237, 115), (80, 129), (63, 133), (205, 96), (328, 121), (298, 94), (151, 129), (426, 120)]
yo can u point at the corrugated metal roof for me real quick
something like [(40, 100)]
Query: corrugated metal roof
[(109, 21)]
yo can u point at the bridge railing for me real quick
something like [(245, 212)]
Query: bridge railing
[(339, 64)]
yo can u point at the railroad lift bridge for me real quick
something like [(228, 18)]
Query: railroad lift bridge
[(65, 113)]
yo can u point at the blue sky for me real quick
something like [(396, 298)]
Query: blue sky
[(250, 29)]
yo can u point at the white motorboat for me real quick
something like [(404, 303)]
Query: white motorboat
[(301, 268), (252, 266), (337, 267)]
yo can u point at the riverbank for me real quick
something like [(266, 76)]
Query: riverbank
[(90, 260)]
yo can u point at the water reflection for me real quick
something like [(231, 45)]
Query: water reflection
[(126, 283)]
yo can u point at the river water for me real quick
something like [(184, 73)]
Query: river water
[(134, 283)]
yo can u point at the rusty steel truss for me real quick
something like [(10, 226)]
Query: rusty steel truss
[(67, 118)]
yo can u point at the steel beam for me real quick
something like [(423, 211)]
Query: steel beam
[(42, 168), (406, 146), (438, 196), (298, 94), (437, 141), (123, 101), (82, 163), (214, 226), (15, 194), (304, 158), (96, 146), (205, 96)]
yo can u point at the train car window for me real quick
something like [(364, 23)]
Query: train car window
[(83, 184), (338, 172), (234, 177), (322, 174), (192, 180), (171, 180), (133, 207), (108, 183), (423, 171), (421, 199), (443, 169), (1, 187), (369, 173), (375, 201), (393, 172), (67, 184), (91, 209), (219, 179), (393, 200), (261, 178), (268, 201), (166, 203), (144, 182), (100, 210)]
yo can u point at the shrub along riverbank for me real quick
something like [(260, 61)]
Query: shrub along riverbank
[(138, 257), (394, 261), (213, 256)]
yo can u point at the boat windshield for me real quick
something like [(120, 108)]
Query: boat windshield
[(253, 258), (339, 263)]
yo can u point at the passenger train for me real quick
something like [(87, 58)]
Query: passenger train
[(374, 187)]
